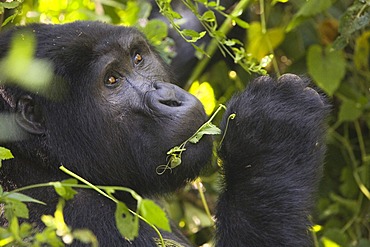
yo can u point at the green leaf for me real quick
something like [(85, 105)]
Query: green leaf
[(14, 227), (20, 62), (207, 129), (5, 154), (363, 243), (155, 31), (174, 14), (348, 186), (15, 208), (154, 214), (336, 236), (362, 52), (340, 42), (350, 22), (349, 111), (85, 236), (126, 223), (25, 230), (175, 161), (200, 53), (22, 197), (10, 5), (310, 8), (313, 7), (208, 16), (48, 236), (326, 67), (194, 36), (65, 191)]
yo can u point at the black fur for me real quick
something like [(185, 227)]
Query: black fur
[(272, 151)]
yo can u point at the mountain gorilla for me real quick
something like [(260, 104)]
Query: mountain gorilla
[(117, 116)]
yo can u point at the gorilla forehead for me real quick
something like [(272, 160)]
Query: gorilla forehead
[(84, 41)]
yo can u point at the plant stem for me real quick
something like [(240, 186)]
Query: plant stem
[(199, 185), (87, 183), (213, 45), (113, 199)]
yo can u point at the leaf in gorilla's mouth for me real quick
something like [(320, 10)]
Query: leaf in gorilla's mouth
[(174, 154)]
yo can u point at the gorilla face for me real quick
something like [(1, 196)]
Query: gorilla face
[(120, 113)]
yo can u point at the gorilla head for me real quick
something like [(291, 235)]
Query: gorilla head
[(117, 115)]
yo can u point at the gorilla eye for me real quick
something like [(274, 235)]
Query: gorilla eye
[(137, 58), (111, 81)]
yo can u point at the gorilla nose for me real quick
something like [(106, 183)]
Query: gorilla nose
[(166, 94), (169, 99)]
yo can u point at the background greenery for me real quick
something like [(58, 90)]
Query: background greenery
[(326, 40)]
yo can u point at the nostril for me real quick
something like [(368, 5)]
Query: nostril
[(166, 94), (171, 102)]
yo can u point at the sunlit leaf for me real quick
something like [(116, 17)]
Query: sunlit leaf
[(279, 1), (67, 11), (154, 214), (316, 228), (204, 92), (334, 238), (5, 154), (329, 243), (261, 44)]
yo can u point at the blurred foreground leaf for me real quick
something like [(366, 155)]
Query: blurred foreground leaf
[(22, 68)]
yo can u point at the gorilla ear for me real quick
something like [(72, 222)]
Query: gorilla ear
[(29, 116)]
